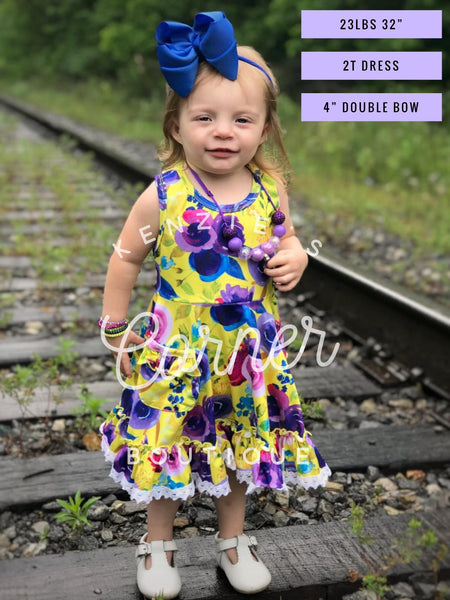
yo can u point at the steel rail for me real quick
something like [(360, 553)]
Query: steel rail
[(416, 330)]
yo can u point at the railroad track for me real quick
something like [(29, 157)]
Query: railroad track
[(363, 370), (416, 329)]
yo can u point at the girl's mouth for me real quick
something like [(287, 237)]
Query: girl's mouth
[(222, 152)]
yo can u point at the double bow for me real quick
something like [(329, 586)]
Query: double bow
[(181, 48)]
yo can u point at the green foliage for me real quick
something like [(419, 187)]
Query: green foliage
[(313, 410), (112, 38), (23, 381), (89, 412), (75, 511), (409, 548), (357, 521), (375, 583)]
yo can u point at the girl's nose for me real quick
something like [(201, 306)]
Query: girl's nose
[(223, 128)]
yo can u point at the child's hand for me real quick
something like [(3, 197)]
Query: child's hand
[(286, 267), (131, 338)]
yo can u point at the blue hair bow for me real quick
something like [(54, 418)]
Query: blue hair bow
[(181, 48)]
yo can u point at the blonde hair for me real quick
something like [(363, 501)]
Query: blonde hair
[(271, 157)]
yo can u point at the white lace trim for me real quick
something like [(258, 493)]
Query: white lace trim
[(288, 477), (216, 490), (198, 485)]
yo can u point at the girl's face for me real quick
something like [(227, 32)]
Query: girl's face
[(220, 126)]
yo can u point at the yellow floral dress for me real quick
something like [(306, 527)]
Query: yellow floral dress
[(210, 389)]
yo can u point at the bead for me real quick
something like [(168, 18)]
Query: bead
[(268, 248), (228, 232), (278, 217), (257, 254), (244, 252), (109, 334), (279, 230), (112, 324), (275, 240), (235, 244)]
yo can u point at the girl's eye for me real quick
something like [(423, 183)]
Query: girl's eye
[(203, 118), (242, 120)]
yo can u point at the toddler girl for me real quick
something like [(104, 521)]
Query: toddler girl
[(208, 404)]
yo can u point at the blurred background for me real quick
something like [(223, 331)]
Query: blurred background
[(376, 193)]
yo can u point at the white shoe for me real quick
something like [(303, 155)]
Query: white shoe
[(161, 580), (247, 576)]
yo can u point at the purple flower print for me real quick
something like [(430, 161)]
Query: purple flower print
[(283, 414), (257, 272), (109, 432), (171, 177), (195, 462), (266, 472), (162, 180), (267, 327), (143, 416), (274, 412), (204, 466), (121, 464), (320, 460), (198, 234), (199, 462), (280, 397), (195, 424), (126, 401), (221, 244), (235, 293), (293, 418), (222, 406), (208, 408), (123, 430)]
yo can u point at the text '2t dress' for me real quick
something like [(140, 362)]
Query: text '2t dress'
[(202, 395)]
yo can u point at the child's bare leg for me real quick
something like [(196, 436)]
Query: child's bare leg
[(231, 513), (160, 515)]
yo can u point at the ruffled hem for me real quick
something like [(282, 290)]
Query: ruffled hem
[(198, 485), (289, 478)]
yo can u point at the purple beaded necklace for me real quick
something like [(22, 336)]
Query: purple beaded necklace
[(235, 245)]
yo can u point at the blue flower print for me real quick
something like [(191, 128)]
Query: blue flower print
[(208, 264), (233, 311), (167, 263)]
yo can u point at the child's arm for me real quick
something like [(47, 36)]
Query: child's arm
[(288, 264), (125, 263)]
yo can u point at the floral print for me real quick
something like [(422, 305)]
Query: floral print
[(210, 390)]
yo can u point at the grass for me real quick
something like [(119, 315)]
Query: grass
[(392, 176), (97, 103), (64, 183)]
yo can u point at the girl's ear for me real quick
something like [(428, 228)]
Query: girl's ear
[(175, 131), (265, 133)]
